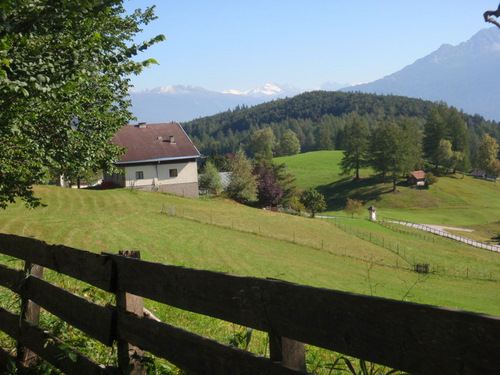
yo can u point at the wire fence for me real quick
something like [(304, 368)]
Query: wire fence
[(410, 257), (406, 258), (442, 233)]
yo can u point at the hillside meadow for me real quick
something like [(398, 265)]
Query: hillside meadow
[(221, 235), (455, 200), (217, 234)]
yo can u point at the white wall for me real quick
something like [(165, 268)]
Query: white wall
[(159, 174)]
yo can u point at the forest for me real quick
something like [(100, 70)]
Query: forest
[(319, 120)]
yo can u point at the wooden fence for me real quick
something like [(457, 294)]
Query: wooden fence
[(411, 337)]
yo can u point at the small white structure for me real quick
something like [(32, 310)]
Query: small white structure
[(373, 213)]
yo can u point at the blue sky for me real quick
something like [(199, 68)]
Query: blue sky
[(241, 45)]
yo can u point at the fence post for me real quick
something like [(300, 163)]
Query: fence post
[(30, 312), (290, 353), (129, 356)]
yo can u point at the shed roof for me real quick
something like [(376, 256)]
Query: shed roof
[(419, 175), (153, 142)]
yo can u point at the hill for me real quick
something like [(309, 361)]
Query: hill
[(464, 76), (351, 255), (318, 119), (454, 200)]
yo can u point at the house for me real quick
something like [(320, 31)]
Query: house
[(417, 178), (478, 173), (158, 157)]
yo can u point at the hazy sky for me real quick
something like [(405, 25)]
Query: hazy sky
[(241, 45)]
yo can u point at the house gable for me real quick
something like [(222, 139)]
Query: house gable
[(157, 157)]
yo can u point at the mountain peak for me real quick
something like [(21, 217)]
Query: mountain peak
[(465, 76)]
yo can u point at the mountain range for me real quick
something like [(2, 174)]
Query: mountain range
[(464, 76)]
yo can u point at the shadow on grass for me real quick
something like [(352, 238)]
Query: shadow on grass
[(365, 189)]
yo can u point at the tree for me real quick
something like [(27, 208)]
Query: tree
[(395, 149), (313, 201), (64, 69), (242, 184), (355, 155), (435, 130), (487, 154), (289, 144), (487, 16), (353, 206), (262, 143), (210, 179), (269, 191)]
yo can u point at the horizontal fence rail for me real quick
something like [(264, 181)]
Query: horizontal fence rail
[(411, 337), (442, 233)]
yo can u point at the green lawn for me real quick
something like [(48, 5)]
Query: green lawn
[(216, 234), (453, 200), (224, 236)]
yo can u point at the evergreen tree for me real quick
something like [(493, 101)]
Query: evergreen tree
[(243, 183), (289, 144), (262, 143), (355, 155), (210, 179), (435, 130), (395, 149)]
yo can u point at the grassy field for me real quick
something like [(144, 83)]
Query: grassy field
[(454, 200), (224, 236), (216, 234)]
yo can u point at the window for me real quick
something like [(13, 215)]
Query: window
[(173, 172), (139, 175)]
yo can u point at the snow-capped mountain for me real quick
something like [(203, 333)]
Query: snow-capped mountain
[(184, 102), (465, 76)]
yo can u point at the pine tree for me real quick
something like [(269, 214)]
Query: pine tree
[(355, 155), (243, 184), (210, 179)]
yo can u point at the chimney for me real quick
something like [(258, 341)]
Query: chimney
[(172, 139), (142, 124)]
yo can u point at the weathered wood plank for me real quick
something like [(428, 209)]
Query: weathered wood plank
[(129, 356), (289, 352), (416, 338), (193, 353), (93, 319), (30, 312), (92, 268), (49, 347), (11, 278)]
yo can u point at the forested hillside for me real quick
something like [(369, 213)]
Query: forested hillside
[(318, 119)]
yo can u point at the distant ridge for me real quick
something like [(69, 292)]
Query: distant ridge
[(466, 76)]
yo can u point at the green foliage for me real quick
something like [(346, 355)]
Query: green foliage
[(243, 184), (355, 155), (210, 179), (262, 143), (487, 155), (430, 179), (444, 123), (64, 71), (317, 118), (289, 145), (353, 206), (313, 201)]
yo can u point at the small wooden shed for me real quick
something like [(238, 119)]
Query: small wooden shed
[(417, 178)]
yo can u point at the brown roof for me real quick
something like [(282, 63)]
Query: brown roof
[(419, 175), (153, 142)]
